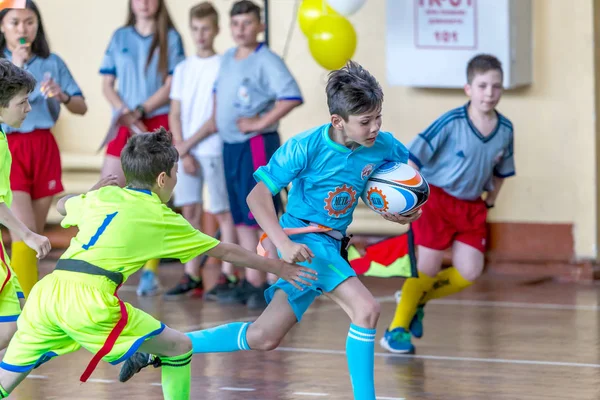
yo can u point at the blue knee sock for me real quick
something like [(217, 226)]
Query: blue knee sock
[(360, 350), (220, 339)]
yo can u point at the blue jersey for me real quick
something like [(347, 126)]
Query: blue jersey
[(251, 87), (453, 155), (327, 178), (44, 111), (126, 58)]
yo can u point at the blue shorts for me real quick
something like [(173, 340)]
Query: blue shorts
[(240, 161), (331, 267)]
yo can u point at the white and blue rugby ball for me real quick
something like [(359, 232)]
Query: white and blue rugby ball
[(395, 187)]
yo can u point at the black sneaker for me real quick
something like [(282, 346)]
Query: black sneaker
[(240, 294), (257, 301), (225, 284), (136, 363), (187, 285)]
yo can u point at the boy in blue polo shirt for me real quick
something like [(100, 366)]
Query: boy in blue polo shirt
[(328, 167)]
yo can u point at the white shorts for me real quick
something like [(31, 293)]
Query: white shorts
[(189, 189)]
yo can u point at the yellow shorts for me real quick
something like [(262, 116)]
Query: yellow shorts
[(10, 306), (68, 310)]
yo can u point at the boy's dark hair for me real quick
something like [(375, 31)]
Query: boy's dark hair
[(13, 80), (205, 10), (146, 156), (482, 63), (40, 46), (352, 90), (245, 7)]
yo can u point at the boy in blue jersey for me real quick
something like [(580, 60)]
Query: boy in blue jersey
[(328, 167), (465, 152), (254, 90)]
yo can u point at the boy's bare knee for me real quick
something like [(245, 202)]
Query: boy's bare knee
[(368, 314), (261, 339), (185, 344), (472, 272)]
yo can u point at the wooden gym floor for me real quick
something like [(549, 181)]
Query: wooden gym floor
[(504, 338)]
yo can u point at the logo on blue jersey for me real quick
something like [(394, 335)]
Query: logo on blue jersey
[(340, 201), (388, 167), (367, 171), (461, 154)]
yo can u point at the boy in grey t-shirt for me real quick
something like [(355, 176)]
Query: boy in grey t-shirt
[(464, 153), (253, 91)]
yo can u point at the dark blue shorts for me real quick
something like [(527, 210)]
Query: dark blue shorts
[(241, 160)]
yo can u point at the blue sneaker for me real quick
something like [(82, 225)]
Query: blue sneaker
[(148, 285), (397, 341), (416, 324)]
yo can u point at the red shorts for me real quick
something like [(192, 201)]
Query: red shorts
[(117, 145), (36, 167), (446, 219)]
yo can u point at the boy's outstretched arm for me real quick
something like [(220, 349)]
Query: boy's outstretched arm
[(39, 243), (241, 257), (262, 207)]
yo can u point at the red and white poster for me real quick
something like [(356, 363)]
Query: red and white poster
[(445, 24)]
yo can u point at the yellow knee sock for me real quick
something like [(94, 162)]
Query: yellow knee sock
[(152, 265), (24, 263), (413, 291), (447, 282)]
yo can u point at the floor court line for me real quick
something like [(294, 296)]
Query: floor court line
[(445, 358), (446, 302)]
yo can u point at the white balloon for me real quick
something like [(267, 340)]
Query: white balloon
[(346, 7)]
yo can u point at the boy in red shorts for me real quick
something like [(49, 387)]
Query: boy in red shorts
[(464, 153)]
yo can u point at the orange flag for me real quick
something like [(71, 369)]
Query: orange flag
[(12, 4)]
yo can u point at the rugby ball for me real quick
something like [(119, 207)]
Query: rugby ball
[(395, 187)]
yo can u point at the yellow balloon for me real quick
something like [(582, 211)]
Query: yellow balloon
[(310, 11), (332, 41)]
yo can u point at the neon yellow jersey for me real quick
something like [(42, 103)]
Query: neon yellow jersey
[(5, 161), (121, 229)]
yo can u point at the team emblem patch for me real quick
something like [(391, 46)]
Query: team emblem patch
[(340, 200), (367, 171)]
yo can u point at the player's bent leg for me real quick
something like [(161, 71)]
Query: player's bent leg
[(468, 260), (468, 266), (272, 325), (263, 334), (364, 311)]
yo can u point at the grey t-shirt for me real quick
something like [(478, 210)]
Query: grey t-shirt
[(456, 157), (251, 87)]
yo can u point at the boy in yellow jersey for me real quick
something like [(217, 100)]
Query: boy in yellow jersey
[(119, 230), (15, 86)]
